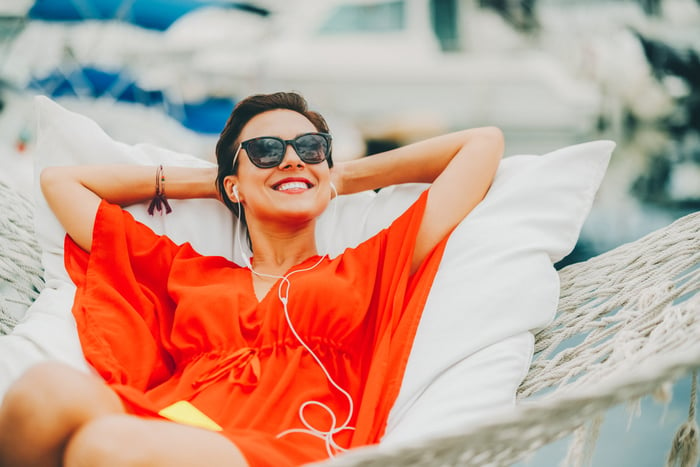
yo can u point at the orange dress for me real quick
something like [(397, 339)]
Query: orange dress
[(162, 323)]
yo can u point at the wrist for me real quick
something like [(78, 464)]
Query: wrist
[(338, 178), (209, 182), (188, 182), (369, 173)]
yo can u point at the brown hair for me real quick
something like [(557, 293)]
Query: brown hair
[(243, 112)]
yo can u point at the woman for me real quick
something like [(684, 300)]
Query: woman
[(290, 360)]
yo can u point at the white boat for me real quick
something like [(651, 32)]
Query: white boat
[(379, 61), (376, 63)]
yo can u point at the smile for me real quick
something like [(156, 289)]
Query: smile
[(292, 186)]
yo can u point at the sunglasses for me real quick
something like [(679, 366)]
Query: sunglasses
[(268, 151)]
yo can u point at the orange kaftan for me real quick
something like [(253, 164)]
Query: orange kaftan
[(162, 323)]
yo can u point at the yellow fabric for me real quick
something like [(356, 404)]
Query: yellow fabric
[(187, 414)]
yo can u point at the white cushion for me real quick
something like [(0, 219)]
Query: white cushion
[(496, 282), (48, 332)]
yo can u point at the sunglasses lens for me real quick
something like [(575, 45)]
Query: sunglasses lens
[(312, 149), (266, 152)]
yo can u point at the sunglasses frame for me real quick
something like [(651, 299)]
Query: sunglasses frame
[(287, 142)]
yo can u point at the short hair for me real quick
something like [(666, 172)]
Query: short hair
[(242, 113)]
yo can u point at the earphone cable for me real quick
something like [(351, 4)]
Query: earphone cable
[(327, 436)]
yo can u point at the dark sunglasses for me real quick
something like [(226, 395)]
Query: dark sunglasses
[(268, 151)]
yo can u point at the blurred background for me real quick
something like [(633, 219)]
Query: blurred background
[(385, 72)]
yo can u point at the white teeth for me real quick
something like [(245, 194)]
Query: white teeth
[(291, 186)]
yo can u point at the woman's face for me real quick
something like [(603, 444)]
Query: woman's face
[(292, 192)]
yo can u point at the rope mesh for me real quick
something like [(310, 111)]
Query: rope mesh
[(628, 324), (21, 273)]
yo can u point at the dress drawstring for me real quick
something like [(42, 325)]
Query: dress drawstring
[(241, 367)]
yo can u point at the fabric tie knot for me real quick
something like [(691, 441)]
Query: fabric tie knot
[(241, 367)]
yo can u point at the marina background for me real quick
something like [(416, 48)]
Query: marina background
[(386, 72)]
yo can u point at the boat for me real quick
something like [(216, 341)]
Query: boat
[(381, 63)]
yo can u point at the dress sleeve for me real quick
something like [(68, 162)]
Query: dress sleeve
[(122, 308), (398, 299)]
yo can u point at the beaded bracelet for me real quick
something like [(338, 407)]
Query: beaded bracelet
[(159, 199)]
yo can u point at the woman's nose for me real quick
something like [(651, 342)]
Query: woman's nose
[(291, 158)]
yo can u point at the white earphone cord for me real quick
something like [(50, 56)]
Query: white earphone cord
[(331, 446)]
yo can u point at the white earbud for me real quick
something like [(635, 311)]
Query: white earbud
[(335, 191), (235, 193)]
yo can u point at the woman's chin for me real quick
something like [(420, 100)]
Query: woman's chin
[(296, 214), (302, 204)]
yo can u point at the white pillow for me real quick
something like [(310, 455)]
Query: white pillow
[(495, 283), (48, 331)]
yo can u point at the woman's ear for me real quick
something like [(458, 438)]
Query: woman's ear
[(231, 187)]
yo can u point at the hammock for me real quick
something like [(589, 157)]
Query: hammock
[(628, 324), (21, 273), (635, 312)]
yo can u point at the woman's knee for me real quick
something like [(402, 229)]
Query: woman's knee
[(53, 391), (29, 395), (127, 440), (109, 440)]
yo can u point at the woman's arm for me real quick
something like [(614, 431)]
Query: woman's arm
[(460, 166), (74, 193)]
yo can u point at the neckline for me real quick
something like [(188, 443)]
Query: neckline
[(275, 285)]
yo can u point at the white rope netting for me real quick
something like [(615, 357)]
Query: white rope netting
[(21, 273), (628, 324)]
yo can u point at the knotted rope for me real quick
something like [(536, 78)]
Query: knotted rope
[(628, 324), (684, 448), (21, 273)]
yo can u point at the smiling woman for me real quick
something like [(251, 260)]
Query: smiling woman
[(290, 360), (296, 191), (232, 141)]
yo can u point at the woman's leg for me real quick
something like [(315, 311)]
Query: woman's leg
[(44, 408), (127, 440)]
